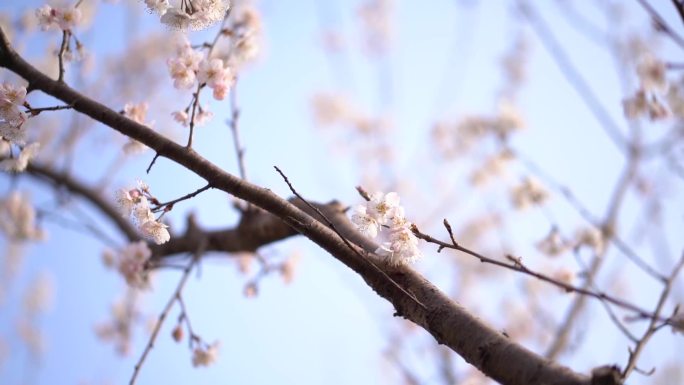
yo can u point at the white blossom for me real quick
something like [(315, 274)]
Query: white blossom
[(64, 18), (381, 206), (205, 356), (367, 225), (18, 217), (11, 118), (131, 264), (157, 6), (383, 215), (401, 248), (155, 231)]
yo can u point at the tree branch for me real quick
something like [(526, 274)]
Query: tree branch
[(449, 323)]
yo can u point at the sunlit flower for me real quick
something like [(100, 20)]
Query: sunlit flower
[(155, 231), (401, 248), (367, 225), (64, 18)]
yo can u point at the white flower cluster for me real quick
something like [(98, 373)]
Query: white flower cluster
[(18, 219), (383, 212), (12, 131), (553, 244), (189, 14), (205, 355), (190, 67), (64, 18), (136, 203), (130, 262)]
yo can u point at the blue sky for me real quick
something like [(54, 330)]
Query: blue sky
[(326, 326)]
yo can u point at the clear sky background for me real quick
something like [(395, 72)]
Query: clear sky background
[(327, 326)]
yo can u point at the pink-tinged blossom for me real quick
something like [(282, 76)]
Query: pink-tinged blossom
[(131, 264), (64, 18), (183, 68), (126, 200), (11, 117), (20, 163), (220, 91), (203, 116), (181, 117), (135, 203), (216, 76), (212, 72), (205, 355)]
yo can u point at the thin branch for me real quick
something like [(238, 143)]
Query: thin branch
[(195, 103), (573, 76), (345, 240), (162, 317), (653, 326), (62, 179), (660, 23), (60, 56), (235, 116), (167, 206), (517, 265)]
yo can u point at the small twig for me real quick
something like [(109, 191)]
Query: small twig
[(162, 317), (186, 318), (195, 103), (156, 155), (235, 116), (517, 265), (60, 57), (37, 111), (346, 242), (167, 206), (655, 318)]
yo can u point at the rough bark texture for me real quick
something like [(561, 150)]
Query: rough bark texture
[(413, 297)]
